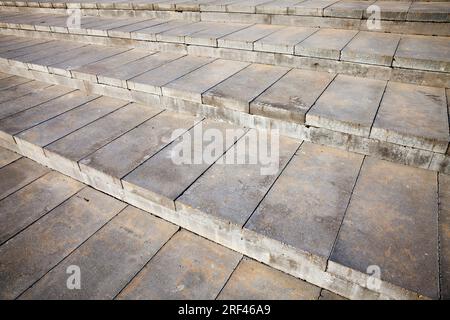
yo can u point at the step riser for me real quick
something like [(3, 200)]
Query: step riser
[(280, 256), (368, 146), (395, 26), (413, 76)]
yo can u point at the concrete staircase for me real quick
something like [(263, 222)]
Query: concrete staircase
[(99, 103)]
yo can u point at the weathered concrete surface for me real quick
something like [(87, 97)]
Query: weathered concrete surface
[(372, 48), (26, 258), (239, 90), (292, 96), (310, 7), (150, 33), (444, 235), (125, 31), (284, 40), (245, 38), (245, 6), (232, 192), (152, 81), (391, 223), (12, 81), (177, 35), (11, 107), (347, 9), (208, 37), (163, 178), (325, 43), (41, 64), (328, 295), (6, 157), (426, 53), (118, 158), (18, 174), (305, 207), (254, 281), (429, 11), (33, 201), (390, 10), (348, 105), (172, 274), (22, 90), (192, 85), (109, 259), (33, 116), (414, 116), (118, 76)]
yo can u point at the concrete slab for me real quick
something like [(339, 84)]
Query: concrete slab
[(34, 201), (348, 105), (118, 76), (12, 81), (150, 33), (390, 10), (310, 7), (177, 35), (152, 80), (26, 258), (277, 6), (162, 178), (347, 9), (253, 280), (18, 174), (11, 54), (239, 90), (391, 225), (34, 116), (125, 31), (429, 11), (414, 116), (444, 235), (216, 6), (92, 137), (325, 43), (231, 192), (11, 107), (22, 90), (111, 163), (305, 207), (192, 85), (292, 96), (245, 6), (372, 48), (109, 259), (208, 37), (422, 52), (89, 72), (171, 274), (284, 40), (6, 157), (245, 38)]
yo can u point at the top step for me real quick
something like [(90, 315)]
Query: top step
[(409, 17)]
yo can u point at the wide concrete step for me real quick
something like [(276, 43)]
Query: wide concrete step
[(408, 58), (409, 17), (399, 122), (352, 224), (121, 252)]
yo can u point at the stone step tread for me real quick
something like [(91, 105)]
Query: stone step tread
[(241, 202), (390, 10), (120, 240), (403, 114), (374, 48)]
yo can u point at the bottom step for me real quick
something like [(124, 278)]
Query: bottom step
[(360, 227)]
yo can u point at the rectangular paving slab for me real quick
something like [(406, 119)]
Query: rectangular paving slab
[(164, 177), (208, 37), (150, 33), (6, 157), (372, 48), (292, 96), (172, 274), (429, 11), (41, 64), (239, 90), (33, 201), (255, 281), (305, 207), (31, 254), (347, 9), (444, 235), (390, 10), (391, 226), (109, 259), (177, 35), (310, 7), (18, 174), (325, 43), (414, 116), (22, 90), (426, 53), (233, 187), (12, 81), (192, 85), (125, 31), (348, 105), (284, 40), (152, 81), (118, 76), (115, 160), (245, 38)]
